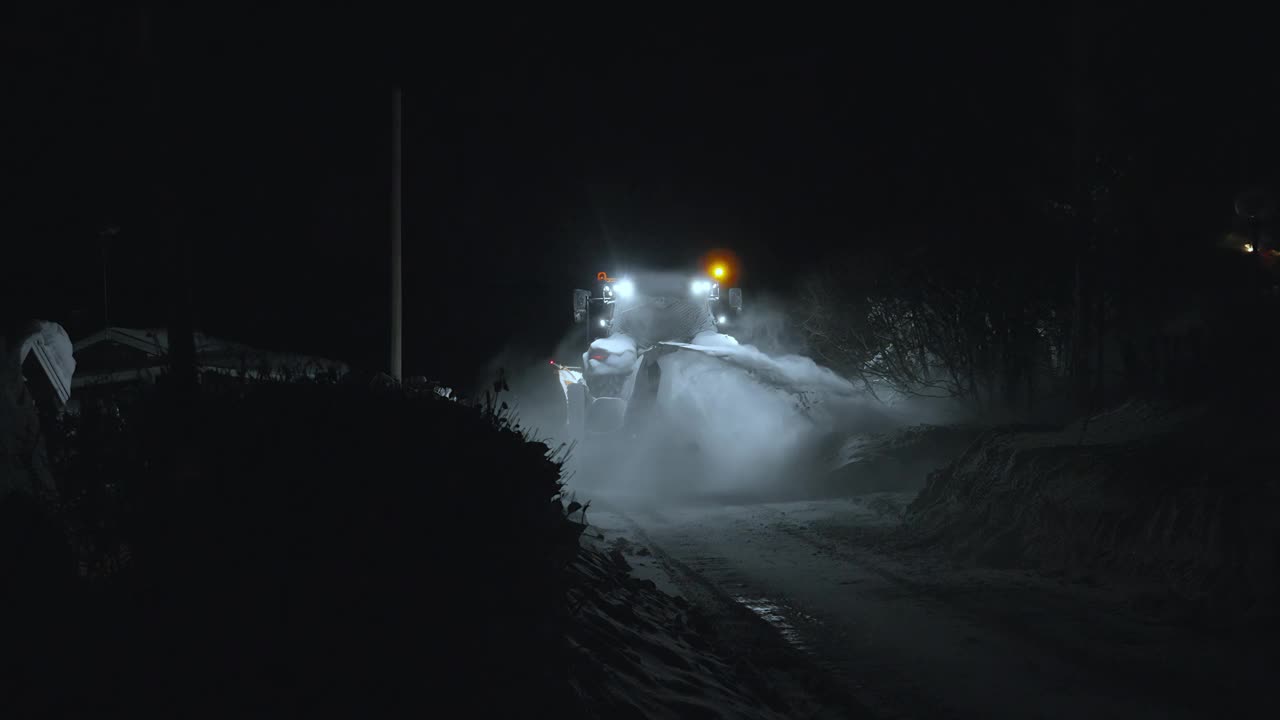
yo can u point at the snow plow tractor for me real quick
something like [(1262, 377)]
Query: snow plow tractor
[(631, 322)]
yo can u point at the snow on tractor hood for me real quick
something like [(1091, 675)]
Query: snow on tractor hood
[(613, 355)]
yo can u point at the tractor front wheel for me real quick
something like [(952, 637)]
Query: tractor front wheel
[(577, 411)]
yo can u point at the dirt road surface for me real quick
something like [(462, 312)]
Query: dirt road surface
[(909, 634)]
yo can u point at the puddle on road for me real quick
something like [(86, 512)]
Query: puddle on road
[(777, 616)]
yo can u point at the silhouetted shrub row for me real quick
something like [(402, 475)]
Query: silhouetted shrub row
[(293, 547)]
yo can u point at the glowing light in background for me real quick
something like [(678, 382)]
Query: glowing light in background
[(722, 265)]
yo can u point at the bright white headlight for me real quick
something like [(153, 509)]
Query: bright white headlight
[(624, 288), (722, 320), (700, 287), (604, 323)]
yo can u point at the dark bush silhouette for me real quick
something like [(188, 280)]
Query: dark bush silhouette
[(299, 548)]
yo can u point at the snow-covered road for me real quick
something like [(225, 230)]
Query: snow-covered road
[(911, 636)]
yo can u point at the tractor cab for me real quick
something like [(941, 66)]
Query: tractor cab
[(656, 302), (626, 318)]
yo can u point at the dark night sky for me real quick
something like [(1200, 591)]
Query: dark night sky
[(540, 149)]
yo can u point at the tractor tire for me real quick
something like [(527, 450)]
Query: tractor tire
[(577, 412), (644, 398)]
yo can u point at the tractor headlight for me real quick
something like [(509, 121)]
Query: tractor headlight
[(604, 323), (700, 287), (722, 320), (625, 288)]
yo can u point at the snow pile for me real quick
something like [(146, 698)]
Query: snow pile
[(1185, 498), (638, 652), (898, 460), (716, 339)]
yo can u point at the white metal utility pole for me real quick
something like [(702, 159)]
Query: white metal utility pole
[(396, 277)]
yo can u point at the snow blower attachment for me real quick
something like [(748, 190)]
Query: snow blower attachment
[(628, 321)]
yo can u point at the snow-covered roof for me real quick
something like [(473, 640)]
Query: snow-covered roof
[(212, 353), (155, 341), (152, 342), (48, 343)]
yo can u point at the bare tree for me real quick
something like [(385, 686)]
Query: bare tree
[(934, 328)]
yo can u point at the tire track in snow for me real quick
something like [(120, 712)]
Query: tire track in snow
[(886, 691), (1103, 669), (753, 637), (869, 695)]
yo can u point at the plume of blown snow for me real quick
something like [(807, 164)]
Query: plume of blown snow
[(790, 372), (732, 419), (729, 418)]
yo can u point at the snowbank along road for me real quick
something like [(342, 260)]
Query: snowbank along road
[(895, 626)]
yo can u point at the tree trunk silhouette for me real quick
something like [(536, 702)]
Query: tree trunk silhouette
[(1085, 294)]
